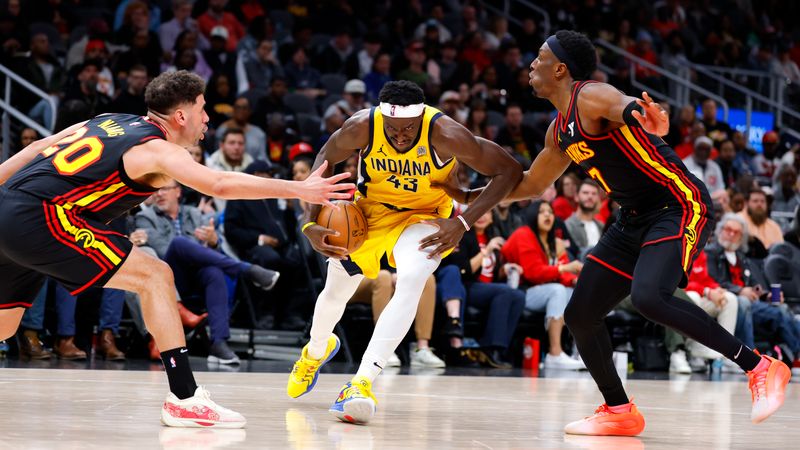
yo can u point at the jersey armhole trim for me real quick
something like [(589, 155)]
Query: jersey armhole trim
[(437, 162), (137, 187)]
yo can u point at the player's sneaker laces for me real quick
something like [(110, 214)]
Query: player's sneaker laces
[(767, 387), (198, 411), (306, 370), (605, 422), (355, 403)]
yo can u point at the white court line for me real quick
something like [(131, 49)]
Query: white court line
[(481, 444)]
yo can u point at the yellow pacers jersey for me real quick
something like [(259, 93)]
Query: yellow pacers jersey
[(394, 189)]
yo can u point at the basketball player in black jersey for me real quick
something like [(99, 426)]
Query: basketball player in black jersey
[(665, 219), (58, 193)]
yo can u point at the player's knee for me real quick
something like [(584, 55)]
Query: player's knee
[(574, 318), (161, 276), (646, 298)]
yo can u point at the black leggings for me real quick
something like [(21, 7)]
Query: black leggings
[(657, 274)]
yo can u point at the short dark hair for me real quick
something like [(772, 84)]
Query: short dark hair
[(582, 52), (401, 93), (592, 183), (755, 191), (172, 89), (138, 68), (231, 131)]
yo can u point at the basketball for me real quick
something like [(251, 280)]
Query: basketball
[(348, 220)]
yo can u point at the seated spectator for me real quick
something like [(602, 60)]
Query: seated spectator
[(768, 161), (415, 71), (300, 76), (378, 76), (96, 50), (506, 218), (366, 56), (301, 169), (521, 138), (716, 129), (181, 21), (280, 137), (786, 197), (377, 292), (759, 225), (189, 59), (264, 68), (705, 169), (793, 235), (84, 89), (272, 103), (470, 276), (477, 120), (219, 100), (352, 99), (231, 155), (255, 138), (584, 229), (727, 163), (550, 275), (131, 100), (26, 137), (141, 50), (686, 148), (735, 272), (263, 232), (744, 154), (216, 15), (189, 244), (718, 302), (191, 197), (339, 55), (450, 105), (566, 203), (217, 57)]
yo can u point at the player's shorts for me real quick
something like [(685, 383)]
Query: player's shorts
[(40, 239), (618, 249), (384, 227)]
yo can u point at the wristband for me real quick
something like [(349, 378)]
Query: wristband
[(303, 228), (466, 225), (627, 114)]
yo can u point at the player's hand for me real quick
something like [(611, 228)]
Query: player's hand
[(448, 236), (319, 190), (654, 120), (316, 235)]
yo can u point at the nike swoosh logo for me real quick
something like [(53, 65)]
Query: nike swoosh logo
[(184, 350), (376, 365)]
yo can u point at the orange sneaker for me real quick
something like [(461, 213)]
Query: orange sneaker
[(604, 422), (767, 387)]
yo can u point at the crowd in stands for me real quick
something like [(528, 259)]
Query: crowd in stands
[(283, 76)]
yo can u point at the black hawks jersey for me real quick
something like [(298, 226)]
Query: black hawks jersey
[(83, 172), (637, 169)]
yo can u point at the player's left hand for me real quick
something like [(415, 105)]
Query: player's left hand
[(448, 236), (654, 120)]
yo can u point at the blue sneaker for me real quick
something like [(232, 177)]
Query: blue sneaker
[(355, 404), (306, 370)]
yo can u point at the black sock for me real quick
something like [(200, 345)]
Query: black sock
[(746, 358), (179, 374)]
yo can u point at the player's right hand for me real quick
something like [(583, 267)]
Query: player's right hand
[(319, 190), (316, 236)]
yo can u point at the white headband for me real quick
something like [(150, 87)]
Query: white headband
[(403, 112)]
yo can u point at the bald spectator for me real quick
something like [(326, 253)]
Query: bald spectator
[(701, 166), (759, 225)]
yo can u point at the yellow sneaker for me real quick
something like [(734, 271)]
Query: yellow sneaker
[(305, 371), (355, 403)]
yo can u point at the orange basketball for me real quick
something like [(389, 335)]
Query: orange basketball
[(348, 220)]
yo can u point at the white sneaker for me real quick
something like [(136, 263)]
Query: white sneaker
[(424, 357), (198, 411), (562, 362), (393, 361), (678, 362)]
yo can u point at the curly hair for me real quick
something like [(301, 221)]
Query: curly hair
[(401, 93), (581, 50), (172, 89)]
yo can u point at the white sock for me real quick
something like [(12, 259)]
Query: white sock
[(413, 270), (339, 287)]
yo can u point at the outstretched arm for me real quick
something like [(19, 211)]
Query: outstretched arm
[(26, 155), (549, 164), (603, 101)]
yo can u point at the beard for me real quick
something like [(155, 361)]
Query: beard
[(757, 216), (587, 209), (729, 246)]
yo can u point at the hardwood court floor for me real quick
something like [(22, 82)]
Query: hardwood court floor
[(103, 409)]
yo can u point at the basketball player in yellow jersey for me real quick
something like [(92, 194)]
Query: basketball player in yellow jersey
[(405, 147)]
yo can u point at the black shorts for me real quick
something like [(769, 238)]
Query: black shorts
[(39, 239), (618, 249)]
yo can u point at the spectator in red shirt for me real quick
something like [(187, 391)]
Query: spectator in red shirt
[(565, 203), (549, 273), (216, 15)]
